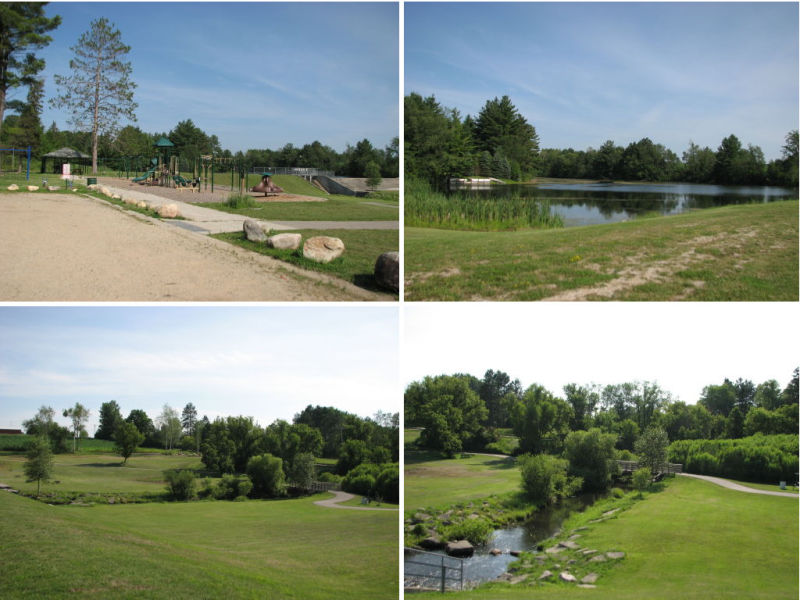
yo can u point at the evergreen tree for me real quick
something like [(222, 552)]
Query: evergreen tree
[(500, 126), (99, 91), (110, 419), (23, 28)]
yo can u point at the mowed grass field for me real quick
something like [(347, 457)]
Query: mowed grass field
[(693, 540), (334, 208), (254, 549), (433, 482), (746, 252), (99, 473)]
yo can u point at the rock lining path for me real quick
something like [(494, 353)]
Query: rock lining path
[(344, 497), (739, 488)]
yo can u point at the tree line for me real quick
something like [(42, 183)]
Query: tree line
[(365, 450), (99, 92), (463, 413), (499, 142)]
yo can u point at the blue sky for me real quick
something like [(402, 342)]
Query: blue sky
[(265, 362), (258, 75), (681, 346), (583, 73)]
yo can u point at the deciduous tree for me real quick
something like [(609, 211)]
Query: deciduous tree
[(78, 414), (126, 439), (39, 462)]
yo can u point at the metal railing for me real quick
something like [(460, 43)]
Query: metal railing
[(300, 171), (431, 571)]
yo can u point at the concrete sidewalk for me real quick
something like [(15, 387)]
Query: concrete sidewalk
[(209, 221)]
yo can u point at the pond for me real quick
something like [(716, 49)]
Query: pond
[(483, 566), (598, 203)]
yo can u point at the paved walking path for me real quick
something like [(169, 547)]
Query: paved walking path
[(739, 488), (344, 497), (200, 219)]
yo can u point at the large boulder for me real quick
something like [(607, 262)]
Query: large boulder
[(567, 577), (13, 187), (33, 188), (253, 231), (387, 271), (432, 543), (167, 211), (285, 241), (323, 249), (105, 191), (460, 548)]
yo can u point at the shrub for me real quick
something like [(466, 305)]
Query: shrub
[(241, 201), (388, 484), (544, 478), (702, 463), (363, 485), (617, 492), (477, 531), (232, 486), (329, 477), (180, 484), (188, 443), (641, 479), (266, 471)]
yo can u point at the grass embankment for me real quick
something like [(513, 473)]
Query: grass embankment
[(431, 481), (356, 265), (256, 549), (334, 208), (466, 212), (746, 252), (98, 477), (692, 540)]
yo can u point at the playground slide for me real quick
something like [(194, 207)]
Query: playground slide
[(145, 176)]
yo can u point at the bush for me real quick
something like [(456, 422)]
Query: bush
[(617, 492), (329, 477), (188, 443), (266, 471), (641, 479), (387, 485), (363, 485), (759, 458), (544, 478), (232, 486), (477, 531), (180, 484)]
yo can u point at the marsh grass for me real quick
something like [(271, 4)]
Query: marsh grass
[(463, 211)]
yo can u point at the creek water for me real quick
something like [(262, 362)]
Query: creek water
[(545, 523), (598, 203)]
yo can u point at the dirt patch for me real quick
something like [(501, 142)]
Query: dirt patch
[(638, 271), (60, 247)]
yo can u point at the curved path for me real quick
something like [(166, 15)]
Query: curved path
[(344, 497), (739, 488)]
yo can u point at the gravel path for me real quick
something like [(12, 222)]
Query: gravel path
[(344, 497), (67, 247), (739, 488)]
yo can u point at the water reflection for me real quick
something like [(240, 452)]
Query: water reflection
[(597, 203)]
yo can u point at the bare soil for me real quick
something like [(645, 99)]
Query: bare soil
[(68, 247)]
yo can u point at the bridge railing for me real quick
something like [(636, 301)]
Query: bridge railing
[(666, 468), (300, 171)]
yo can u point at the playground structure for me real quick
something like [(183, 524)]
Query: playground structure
[(15, 167), (267, 186)]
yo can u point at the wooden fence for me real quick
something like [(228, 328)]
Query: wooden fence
[(629, 466)]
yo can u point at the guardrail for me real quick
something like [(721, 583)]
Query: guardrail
[(666, 468), (299, 171), (430, 571)]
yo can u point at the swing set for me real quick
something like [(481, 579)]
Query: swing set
[(14, 151)]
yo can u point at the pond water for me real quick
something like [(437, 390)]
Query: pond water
[(483, 566), (597, 203)]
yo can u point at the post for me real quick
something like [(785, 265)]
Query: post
[(28, 170), (212, 173), (444, 572)]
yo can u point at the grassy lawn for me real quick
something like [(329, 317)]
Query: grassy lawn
[(692, 540), (431, 482), (410, 436), (767, 486), (336, 208), (99, 473), (745, 252), (357, 265), (255, 549)]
